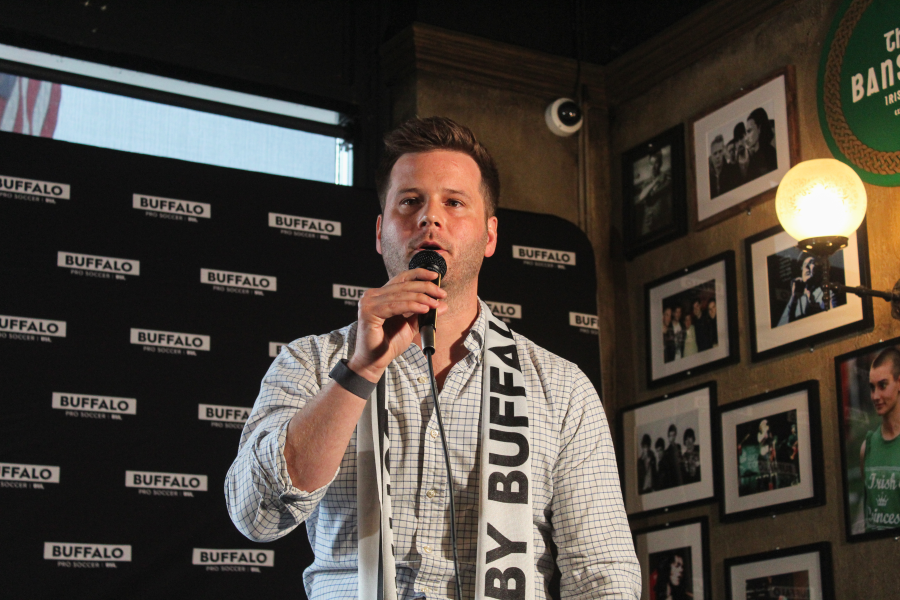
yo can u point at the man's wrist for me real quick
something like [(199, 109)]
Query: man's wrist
[(370, 372), (352, 381)]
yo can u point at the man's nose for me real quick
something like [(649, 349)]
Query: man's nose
[(431, 213)]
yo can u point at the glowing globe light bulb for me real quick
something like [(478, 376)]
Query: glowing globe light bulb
[(820, 198)]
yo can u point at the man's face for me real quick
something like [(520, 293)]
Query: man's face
[(677, 571), (672, 435), (696, 308), (655, 163), (677, 314), (435, 202), (711, 309), (667, 316), (808, 270), (885, 389), (729, 152), (752, 133), (689, 443), (717, 154)]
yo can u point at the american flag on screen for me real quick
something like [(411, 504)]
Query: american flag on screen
[(28, 106)]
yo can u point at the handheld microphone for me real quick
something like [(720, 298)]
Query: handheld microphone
[(434, 262)]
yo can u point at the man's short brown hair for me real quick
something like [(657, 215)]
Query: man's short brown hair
[(438, 133)]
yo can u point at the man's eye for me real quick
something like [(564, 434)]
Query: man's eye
[(411, 200), (454, 203)]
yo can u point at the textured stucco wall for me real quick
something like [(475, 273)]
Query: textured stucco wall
[(794, 36)]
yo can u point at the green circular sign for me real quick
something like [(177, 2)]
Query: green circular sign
[(859, 89)]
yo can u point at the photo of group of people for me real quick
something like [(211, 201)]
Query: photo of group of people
[(671, 577), (768, 453), (795, 285), (785, 586), (689, 322), (670, 453), (869, 388), (741, 151)]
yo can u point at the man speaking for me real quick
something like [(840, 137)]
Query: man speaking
[(534, 475)]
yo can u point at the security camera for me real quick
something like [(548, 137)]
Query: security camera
[(563, 117)]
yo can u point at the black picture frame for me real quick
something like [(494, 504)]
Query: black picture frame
[(659, 543), (743, 187), (788, 475), (647, 220), (782, 564), (707, 280), (772, 261), (692, 410), (858, 418)]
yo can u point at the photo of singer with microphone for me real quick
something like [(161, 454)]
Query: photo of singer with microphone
[(347, 436)]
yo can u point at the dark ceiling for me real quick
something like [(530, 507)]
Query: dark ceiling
[(607, 28)]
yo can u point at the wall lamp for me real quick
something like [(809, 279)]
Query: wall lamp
[(820, 203)]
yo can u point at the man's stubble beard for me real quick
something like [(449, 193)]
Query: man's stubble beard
[(462, 272)]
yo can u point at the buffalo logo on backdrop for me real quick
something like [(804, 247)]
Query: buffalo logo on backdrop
[(350, 294), (101, 267), (30, 330), (32, 190), (169, 342), (94, 407), (304, 226), (150, 483), (223, 417), (275, 348), (241, 561), (585, 323), (171, 209), (238, 283), (19, 476), (505, 311), (87, 555), (544, 257)]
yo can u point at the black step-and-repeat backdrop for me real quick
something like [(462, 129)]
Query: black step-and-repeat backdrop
[(141, 301)]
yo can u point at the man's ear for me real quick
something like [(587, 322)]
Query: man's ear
[(378, 234), (491, 246)]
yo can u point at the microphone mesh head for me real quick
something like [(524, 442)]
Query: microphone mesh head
[(429, 259)]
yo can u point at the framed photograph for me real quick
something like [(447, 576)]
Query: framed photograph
[(691, 318), (868, 388), (798, 572), (654, 205), (787, 305), (771, 453), (742, 147), (674, 560), (668, 445)]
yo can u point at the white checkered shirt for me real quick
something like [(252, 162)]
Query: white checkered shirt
[(576, 501)]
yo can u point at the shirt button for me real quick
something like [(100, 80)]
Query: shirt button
[(434, 434), (427, 550), (423, 379), (430, 493)]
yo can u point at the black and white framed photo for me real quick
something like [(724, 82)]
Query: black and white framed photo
[(668, 447), (654, 206), (771, 453), (674, 560), (691, 318), (742, 147), (798, 572), (787, 303), (868, 388)]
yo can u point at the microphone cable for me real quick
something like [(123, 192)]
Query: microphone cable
[(437, 411)]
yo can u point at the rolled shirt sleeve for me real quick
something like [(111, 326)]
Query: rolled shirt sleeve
[(261, 499)]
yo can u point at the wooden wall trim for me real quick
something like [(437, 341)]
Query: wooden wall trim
[(684, 43), (427, 49)]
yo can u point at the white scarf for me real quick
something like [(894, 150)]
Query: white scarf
[(505, 566)]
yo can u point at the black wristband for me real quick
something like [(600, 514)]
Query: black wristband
[(351, 381)]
